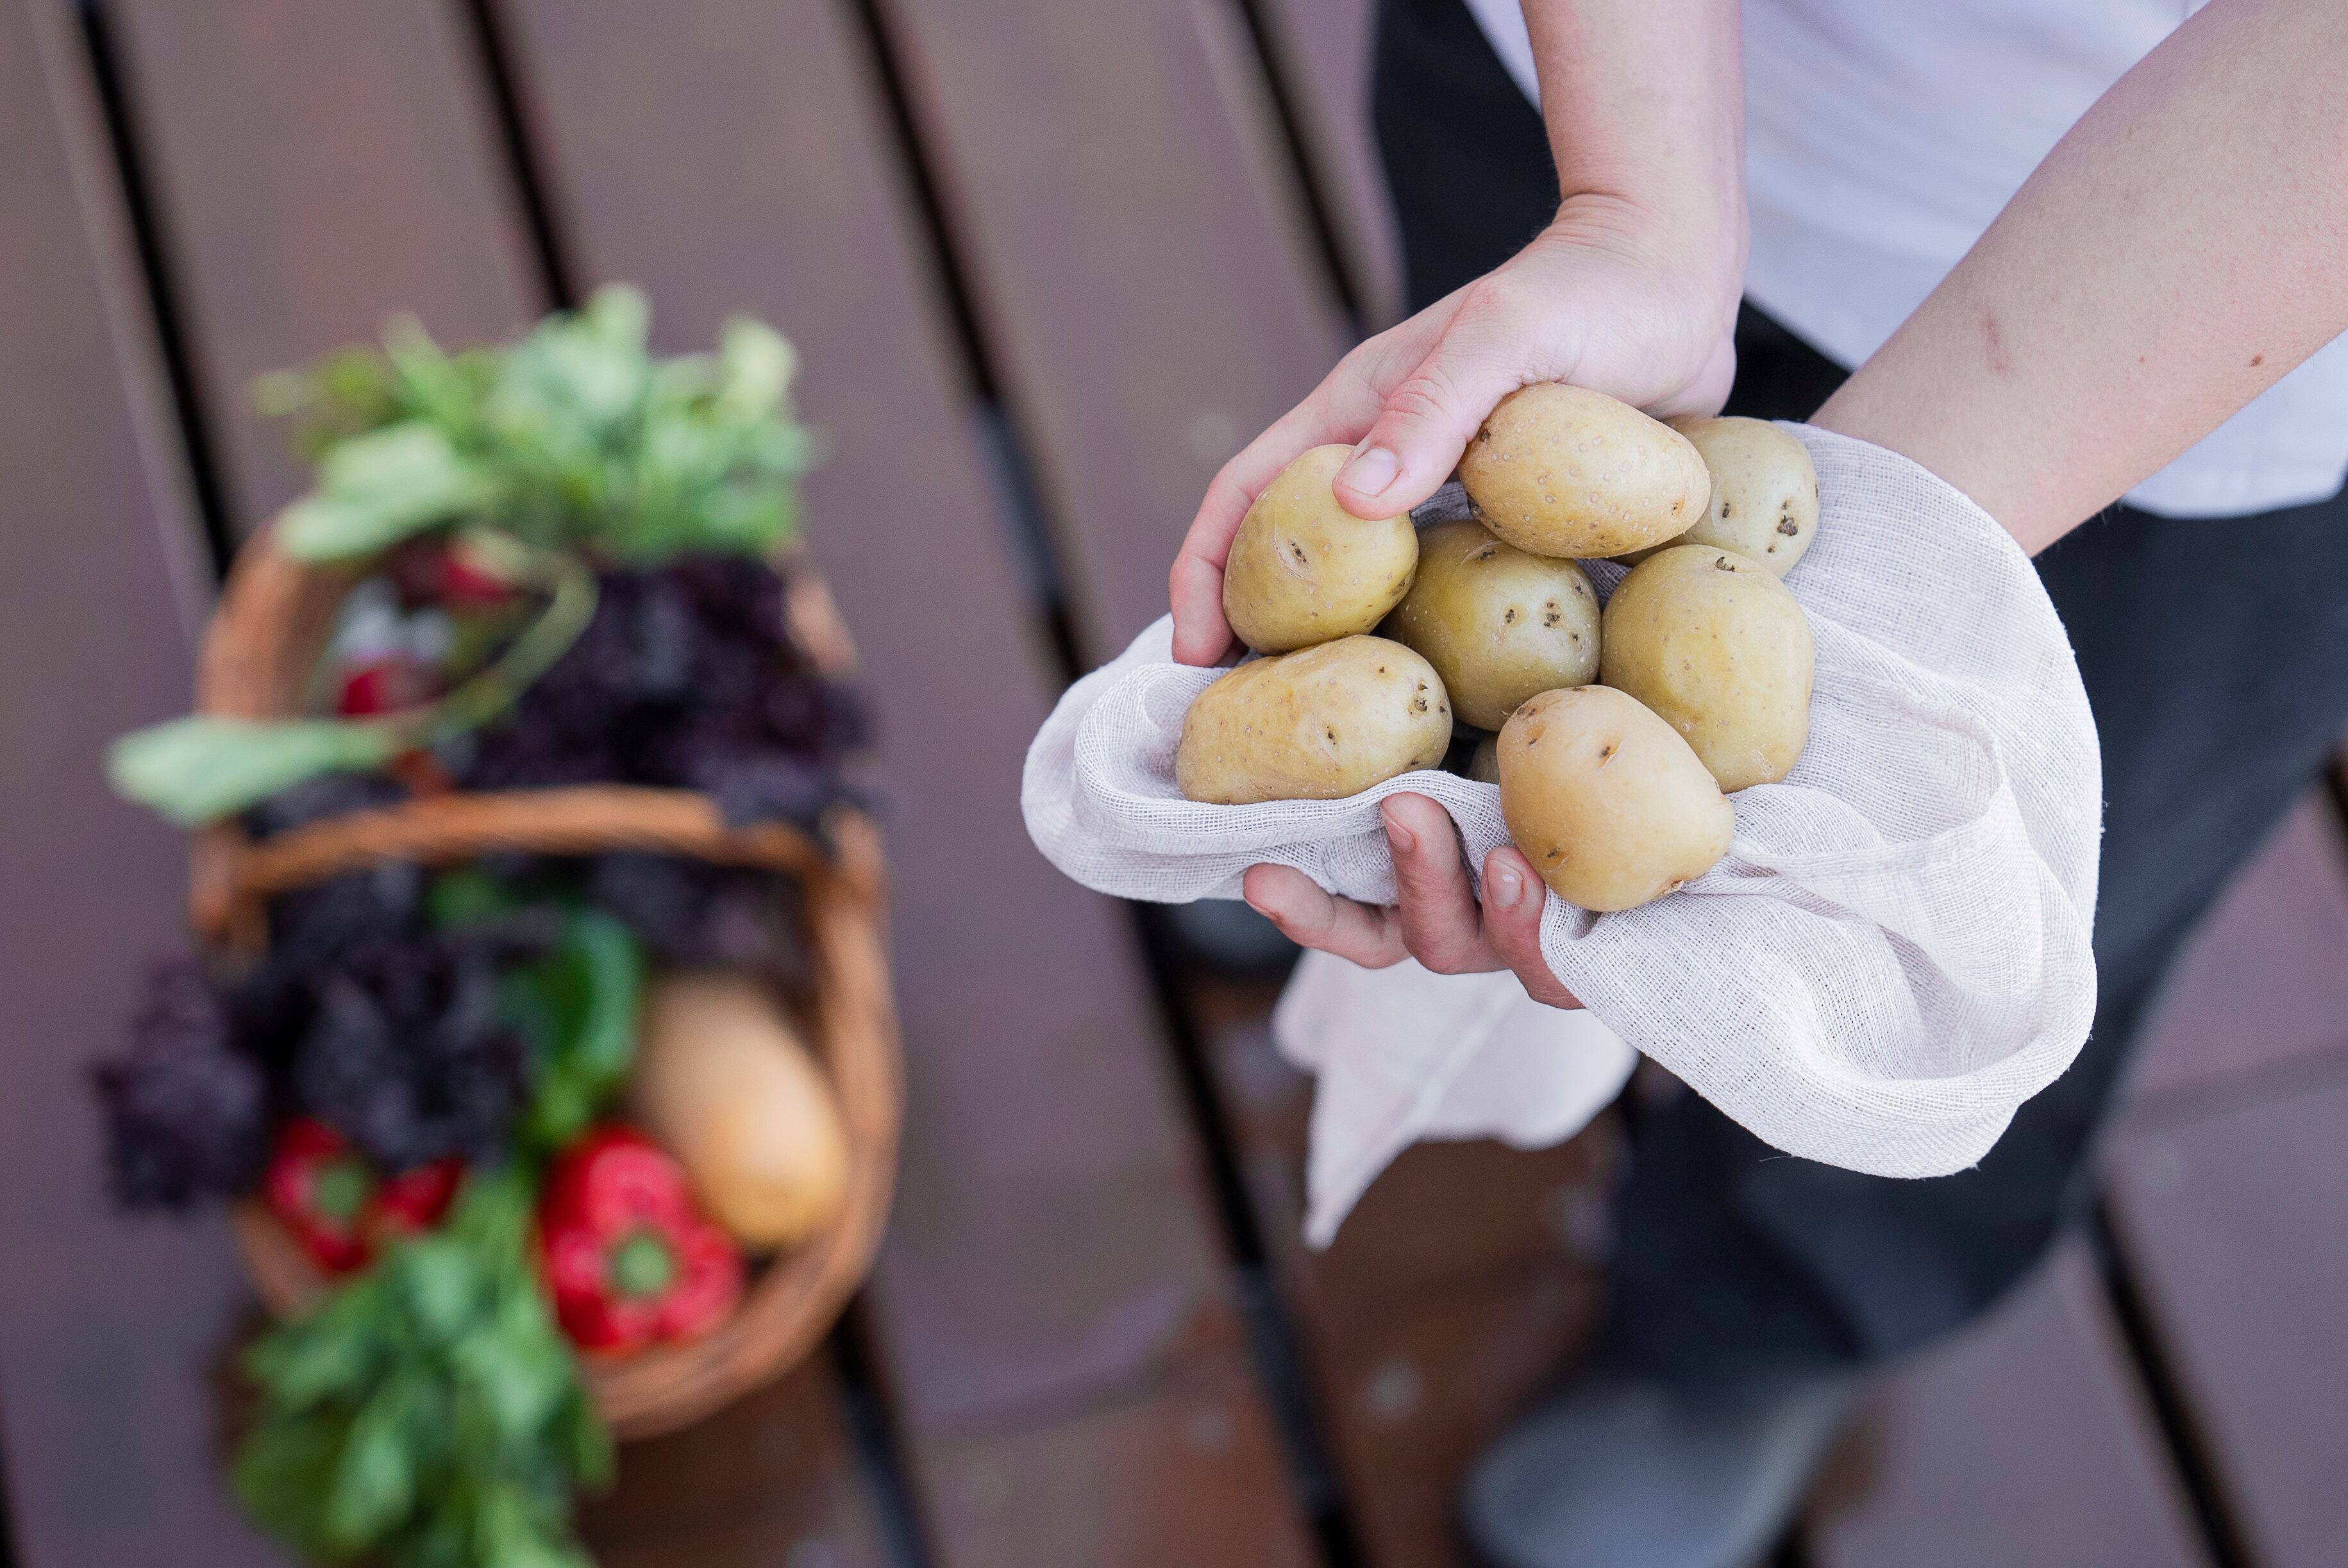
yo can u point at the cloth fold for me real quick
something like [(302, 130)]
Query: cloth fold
[(1893, 955)]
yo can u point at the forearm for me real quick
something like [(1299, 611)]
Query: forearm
[(2182, 248), (1645, 103)]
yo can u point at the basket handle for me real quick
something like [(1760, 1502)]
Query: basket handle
[(235, 879)]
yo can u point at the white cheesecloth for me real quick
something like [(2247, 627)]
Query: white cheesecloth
[(1893, 955)]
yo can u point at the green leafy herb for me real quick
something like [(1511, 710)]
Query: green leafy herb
[(377, 489), (578, 1007), (572, 446), (200, 768), (574, 436), (429, 1414)]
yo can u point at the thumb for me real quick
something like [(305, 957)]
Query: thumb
[(1428, 418)]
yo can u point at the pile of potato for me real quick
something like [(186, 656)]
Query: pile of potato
[(1618, 734)]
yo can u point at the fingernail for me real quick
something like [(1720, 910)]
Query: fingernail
[(1404, 840), (1370, 471), (1507, 886)]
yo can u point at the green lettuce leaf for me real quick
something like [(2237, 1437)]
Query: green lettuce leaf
[(374, 490), (200, 769)]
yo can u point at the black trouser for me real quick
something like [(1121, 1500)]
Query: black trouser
[(2216, 657)]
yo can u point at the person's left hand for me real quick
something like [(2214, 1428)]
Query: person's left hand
[(1439, 921)]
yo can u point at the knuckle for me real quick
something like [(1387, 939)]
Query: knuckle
[(1435, 956), (1427, 392), (1488, 297)]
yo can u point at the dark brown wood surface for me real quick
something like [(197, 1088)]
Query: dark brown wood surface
[(105, 1326), (1132, 231), (1033, 1253), (317, 168), (2265, 982), (2024, 1441), (770, 1480), (1052, 1257), (1178, 1477), (2231, 1220), (1461, 1283), (1323, 47)]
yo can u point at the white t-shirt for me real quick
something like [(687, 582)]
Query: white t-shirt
[(1882, 136)]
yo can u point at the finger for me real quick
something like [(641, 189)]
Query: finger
[(1513, 901), (1440, 923), (1339, 411), (1310, 917), (1434, 407)]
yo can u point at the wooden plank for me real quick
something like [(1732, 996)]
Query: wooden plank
[(1134, 247), (772, 1479), (317, 168), (2265, 981), (2024, 1441), (1441, 1216), (1049, 1237), (1412, 1396), (1462, 1281), (1174, 1480), (1323, 48), (2231, 1225), (105, 1326)]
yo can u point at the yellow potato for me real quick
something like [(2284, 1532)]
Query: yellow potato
[(1764, 492), (1563, 471), (1607, 801), (1484, 762), (1497, 624), (1317, 724), (1303, 569), (1719, 649)]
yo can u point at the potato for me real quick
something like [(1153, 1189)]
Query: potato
[(1607, 801), (1719, 647), (1317, 724), (1484, 762), (1564, 471), (1764, 492), (1303, 569), (1497, 623)]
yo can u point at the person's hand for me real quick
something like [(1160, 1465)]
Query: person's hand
[(1438, 922), (1604, 299)]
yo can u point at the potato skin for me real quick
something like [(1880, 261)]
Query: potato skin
[(1484, 762), (1764, 492), (1303, 569), (1564, 471), (1497, 623), (1607, 801), (1320, 723), (1719, 647)]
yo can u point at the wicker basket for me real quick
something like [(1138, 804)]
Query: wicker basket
[(263, 643)]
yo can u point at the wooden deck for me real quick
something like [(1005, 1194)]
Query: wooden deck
[(1049, 262)]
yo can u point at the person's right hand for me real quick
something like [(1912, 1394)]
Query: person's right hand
[(1603, 298)]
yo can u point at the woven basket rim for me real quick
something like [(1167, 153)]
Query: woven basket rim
[(270, 609)]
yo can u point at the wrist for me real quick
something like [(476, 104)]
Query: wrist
[(1696, 246)]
